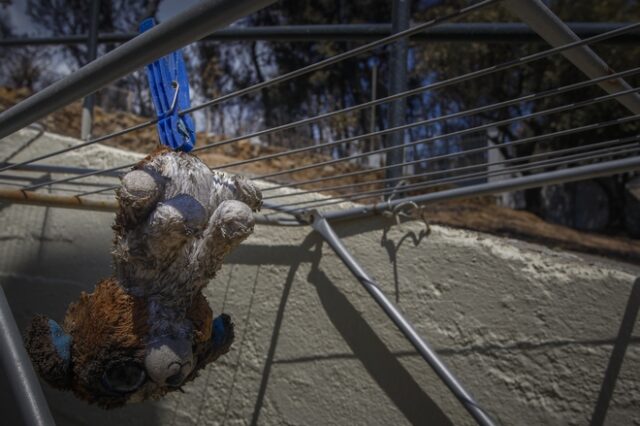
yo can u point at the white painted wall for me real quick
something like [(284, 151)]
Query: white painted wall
[(528, 330)]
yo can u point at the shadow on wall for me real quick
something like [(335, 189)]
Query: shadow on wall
[(54, 275), (381, 364)]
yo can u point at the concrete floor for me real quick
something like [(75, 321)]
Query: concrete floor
[(528, 330)]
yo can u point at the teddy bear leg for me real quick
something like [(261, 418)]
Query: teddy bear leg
[(138, 194), (248, 192), (230, 224), (171, 224)]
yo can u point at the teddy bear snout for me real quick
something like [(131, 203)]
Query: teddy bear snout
[(169, 361)]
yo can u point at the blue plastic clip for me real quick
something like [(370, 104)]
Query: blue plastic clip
[(169, 88)]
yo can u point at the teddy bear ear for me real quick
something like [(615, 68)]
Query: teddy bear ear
[(50, 350)]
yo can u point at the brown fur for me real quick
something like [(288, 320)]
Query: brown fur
[(43, 354), (199, 313), (107, 317)]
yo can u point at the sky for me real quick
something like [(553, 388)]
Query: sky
[(23, 24)]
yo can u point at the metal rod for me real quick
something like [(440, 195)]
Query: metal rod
[(77, 202), (92, 51), (196, 22), (50, 168), (542, 20), (400, 15), (485, 108), (80, 145), (425, 185), (98, 191), (478, 32), (323, 227), (592, 126), (345, 55), (433, 86), (608, 143), (460, 132), (589, 171), (280, 79), (562, 108), (554, 162), (437, 85), (45, 199), (19, 371), (465, 77)]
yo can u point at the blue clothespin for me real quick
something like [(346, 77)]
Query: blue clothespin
[(169, 88)]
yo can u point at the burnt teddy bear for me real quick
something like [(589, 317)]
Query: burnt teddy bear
[(148, 329)]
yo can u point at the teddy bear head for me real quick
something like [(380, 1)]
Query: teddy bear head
[(104, 353)]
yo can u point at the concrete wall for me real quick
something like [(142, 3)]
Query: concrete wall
[(528, 330)]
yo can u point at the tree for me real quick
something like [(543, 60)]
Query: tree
[(71, 17)]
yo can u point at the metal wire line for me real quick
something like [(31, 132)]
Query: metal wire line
[(557, 162), (565, 132), (477, 110), (432, 86), (465, 77), (456, 154), (608, 143), (485, 174), (457, 133), (458, 179), (562, 108), (509, 144), (80, 145), (345, 55), (446, 156), (280, 79)]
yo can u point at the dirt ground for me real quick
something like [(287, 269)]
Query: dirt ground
[(480, 215)]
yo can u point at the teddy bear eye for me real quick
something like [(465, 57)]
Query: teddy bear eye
[(124, 377)]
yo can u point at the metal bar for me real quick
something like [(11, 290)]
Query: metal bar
[(608, 143), (322, 226), (285, 77), (18, 196), (554, 162), (592, 126), (45, 199), (590, 171), (92, 51), (542, 20), (477, 32), (345, 55), (80, 145), (400, 15), (433, 86), (425, 185), (98, 191), (19, 371), (50, 168), (196, 22), (470, 130), (436, 85), (460, 132), (485, 108)]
